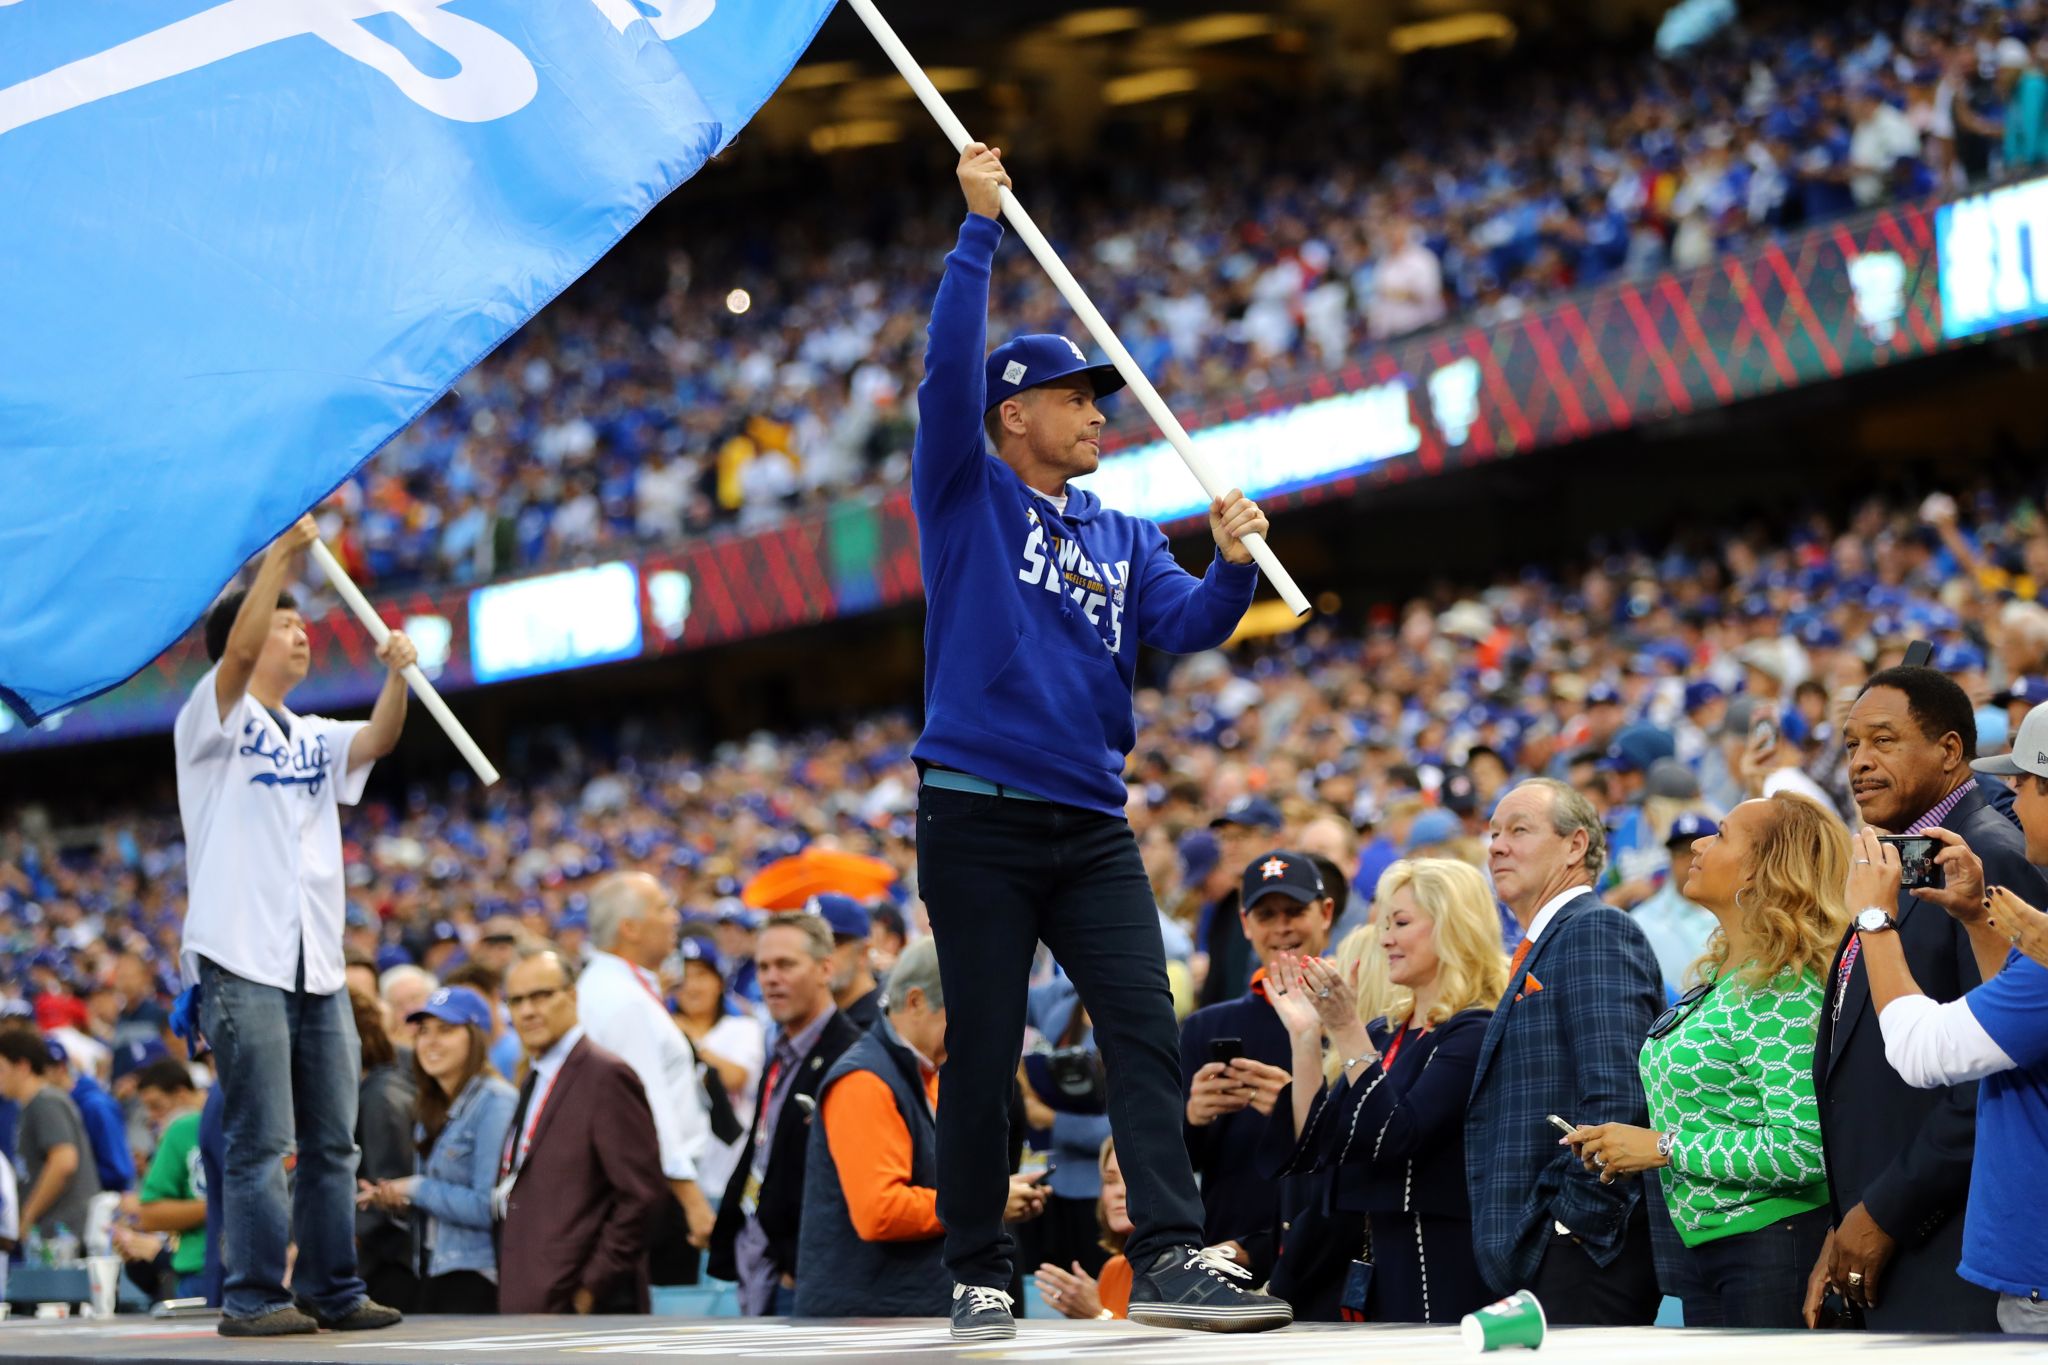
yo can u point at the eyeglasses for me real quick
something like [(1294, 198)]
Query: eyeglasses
[(539, 997), (1676, 1014)]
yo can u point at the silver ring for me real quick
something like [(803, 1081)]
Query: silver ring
[(1323, 994), (1855, 1278), (1863, 862), (1600, 1160)]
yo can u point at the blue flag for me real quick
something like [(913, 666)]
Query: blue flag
[(243, 243)]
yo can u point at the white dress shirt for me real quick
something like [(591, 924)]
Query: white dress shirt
[(263, 839), (1550, 909), (621, 1009)]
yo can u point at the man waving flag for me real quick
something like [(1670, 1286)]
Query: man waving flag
[(247, 241)]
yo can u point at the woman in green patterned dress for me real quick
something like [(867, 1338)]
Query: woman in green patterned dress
[(1728, 1071)]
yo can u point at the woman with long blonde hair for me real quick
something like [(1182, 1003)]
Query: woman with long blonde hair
[(1728, 1071), (1382, 1100)]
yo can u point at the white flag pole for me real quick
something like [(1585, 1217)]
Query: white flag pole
[(1070, 288), (421, 688)]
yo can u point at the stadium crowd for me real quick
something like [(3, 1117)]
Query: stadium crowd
[(627, 416), (1363, 794)]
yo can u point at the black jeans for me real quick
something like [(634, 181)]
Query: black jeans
[(1575, 1290), (998, 875), (1752, 1279)]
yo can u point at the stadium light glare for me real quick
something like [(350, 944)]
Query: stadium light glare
[(859, 132), (820, 75), (1454, 31), (1097, 23), (1150, 85), (738, 302), (1212, 29)]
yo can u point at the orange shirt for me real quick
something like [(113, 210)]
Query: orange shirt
[(1114, 1288), (871, 1147)]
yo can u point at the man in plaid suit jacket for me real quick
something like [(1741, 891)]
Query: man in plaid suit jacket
[(1583, 992)]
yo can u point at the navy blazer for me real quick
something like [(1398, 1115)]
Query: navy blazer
[(1904, 1154), (1564, 1041)]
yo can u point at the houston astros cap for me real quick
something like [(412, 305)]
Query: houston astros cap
[(1284, 872), (2029, 749), (1027, 361)]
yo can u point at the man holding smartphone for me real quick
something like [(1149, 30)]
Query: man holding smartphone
[(1898, 1158), (1235, 1058)]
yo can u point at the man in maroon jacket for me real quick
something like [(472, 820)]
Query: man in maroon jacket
[(579, 1183)]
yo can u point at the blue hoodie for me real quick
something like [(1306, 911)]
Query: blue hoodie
[(1034, 616)]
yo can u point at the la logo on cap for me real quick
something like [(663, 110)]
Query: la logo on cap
[(1273, 867), (1075, 349), (1013, 373)]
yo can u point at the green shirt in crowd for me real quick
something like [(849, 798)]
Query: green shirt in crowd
[(1734, 1081), (176, 1173)]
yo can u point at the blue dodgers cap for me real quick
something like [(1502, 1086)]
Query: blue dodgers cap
[(2032, 691), (843, 913), (1432, 827), (693, 949), (1253, 812), (1026, 362), (1701, 693), (454, 1005), (1689, 825), (1281, 872), (1637, 747)]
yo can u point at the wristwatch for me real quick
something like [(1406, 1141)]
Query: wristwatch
[(1874, 920)]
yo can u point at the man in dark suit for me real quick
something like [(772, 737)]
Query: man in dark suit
[(755, 1238), (1583, 990), (1899, 1158), (580, 1185)]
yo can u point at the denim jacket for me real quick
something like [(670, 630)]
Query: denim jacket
[(455, 1182)]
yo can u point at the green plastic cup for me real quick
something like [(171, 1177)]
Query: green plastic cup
[(1516, 1320)]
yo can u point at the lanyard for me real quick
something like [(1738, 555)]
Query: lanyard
[(1849, 956), (1393, 1051), (518, 1143)]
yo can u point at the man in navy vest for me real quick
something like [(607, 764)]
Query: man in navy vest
[(1037, 600), (871, 1180)]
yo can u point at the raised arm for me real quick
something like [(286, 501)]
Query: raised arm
[(252, 619), (1182, 614), (948, 450)]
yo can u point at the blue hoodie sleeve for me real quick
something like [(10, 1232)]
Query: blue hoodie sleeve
[(1182, 614), (948, 453)]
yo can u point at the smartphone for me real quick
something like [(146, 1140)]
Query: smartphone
[(1917, 868), (1764, 734), (1225, 1050), (1563, 1127)]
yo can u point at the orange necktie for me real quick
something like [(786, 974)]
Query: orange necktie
[(1521, 956)]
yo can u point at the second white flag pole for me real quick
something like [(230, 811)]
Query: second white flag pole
[(1077, 299)]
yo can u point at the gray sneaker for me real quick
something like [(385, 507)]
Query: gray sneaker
[(1197, 1288), (982, 1314), (366, 1316), (278, 1322)]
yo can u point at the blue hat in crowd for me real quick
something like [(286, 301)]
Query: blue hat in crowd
[(454, 1005), (1603, 694), (131, 1057), (1700, 693), (1025, 362), (843, 913), (1199, 855), (1432, 827), (1281, 872), (1253, 812), (2032, 691), (1637, 747), (735, 911), (694, 949), (1689, 826), (392, 955)]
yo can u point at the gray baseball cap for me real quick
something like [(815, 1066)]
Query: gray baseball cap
[(2029, 749)]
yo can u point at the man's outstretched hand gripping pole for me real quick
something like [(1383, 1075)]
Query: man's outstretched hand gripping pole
[(1077, 299)]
